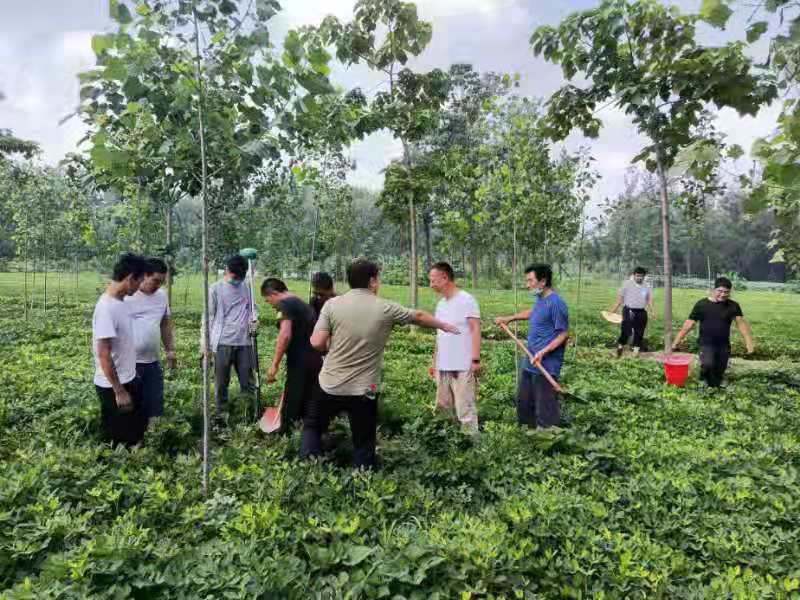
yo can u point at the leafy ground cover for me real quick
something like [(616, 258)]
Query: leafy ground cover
[(651, 491)]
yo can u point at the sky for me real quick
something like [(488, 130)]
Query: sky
[(44, 44)]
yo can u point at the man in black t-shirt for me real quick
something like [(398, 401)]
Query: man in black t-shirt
[(303, 363), (715, 314), (321, 291)]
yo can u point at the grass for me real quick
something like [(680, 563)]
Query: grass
[(650, 492)]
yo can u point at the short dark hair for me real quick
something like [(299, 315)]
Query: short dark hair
[(156, 265), (444, 267), (542, 272), (238, 266), (723, 282), (271, 285), (129, 264), (640, 271), (322, 281), (359, 272)]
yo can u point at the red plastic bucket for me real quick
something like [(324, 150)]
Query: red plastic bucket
[(676, 368)]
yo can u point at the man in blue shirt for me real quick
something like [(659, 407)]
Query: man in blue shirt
[(548, 322)]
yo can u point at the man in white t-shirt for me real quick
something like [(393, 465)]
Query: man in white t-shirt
[(636, 299), (457, 358), (152, 326), (114, 349)]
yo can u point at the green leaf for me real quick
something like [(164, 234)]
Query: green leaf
[(735, 152), (357, 554), (715, 12), (101, 43), (755, 31), (119, 12)]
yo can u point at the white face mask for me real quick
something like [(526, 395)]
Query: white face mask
[(537, 291)]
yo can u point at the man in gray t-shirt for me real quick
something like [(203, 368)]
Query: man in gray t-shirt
[(636, 298), (353, 329), (233, 319)]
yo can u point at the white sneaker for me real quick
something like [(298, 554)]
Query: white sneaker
[(635, 352)]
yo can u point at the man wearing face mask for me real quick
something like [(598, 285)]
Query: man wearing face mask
[(233, 320), (636, 298), (548, 323), (715, 314), (152, 326)]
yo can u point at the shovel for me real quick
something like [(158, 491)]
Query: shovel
[(270, 421), (556, 386)]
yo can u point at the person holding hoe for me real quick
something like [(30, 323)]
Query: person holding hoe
[(715, 314), (636, 299), (548, 324), (303, 363), (233, 321), (456, 362), (353, 329)]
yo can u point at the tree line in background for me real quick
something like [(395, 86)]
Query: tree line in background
[(479, 182)]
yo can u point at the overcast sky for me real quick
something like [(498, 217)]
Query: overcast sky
[(45, 43)]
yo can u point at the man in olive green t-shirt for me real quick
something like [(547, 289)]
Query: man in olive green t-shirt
[(354, 329)]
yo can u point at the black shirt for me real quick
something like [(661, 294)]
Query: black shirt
[(715, 320), (317, 302), (302, 317)]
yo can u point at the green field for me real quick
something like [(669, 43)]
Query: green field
[(650, 491)]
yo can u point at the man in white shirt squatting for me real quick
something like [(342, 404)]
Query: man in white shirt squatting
[(456, 358), (152, 326)]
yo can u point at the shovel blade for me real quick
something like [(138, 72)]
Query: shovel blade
[(270, 421)]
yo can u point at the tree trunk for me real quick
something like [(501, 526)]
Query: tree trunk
[(170, 257), (426, 221), (473, 255), (44, 223), (667, 261), (688, 259), (26, 269), (412, 217), (580, 279), (77, 271), (204, 243)]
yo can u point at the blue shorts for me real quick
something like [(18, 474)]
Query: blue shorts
[(152, 377)]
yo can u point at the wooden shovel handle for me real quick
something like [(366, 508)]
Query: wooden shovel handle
[(538, 364)]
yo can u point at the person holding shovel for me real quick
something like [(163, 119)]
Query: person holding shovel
[(456, 358), (636, 299), (303, 363), (548, 318), (233, 321), (354, 329), (715, 314)]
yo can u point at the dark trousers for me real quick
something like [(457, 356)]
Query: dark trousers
[(302, 382), (151, 376), (713, 363), (362, 412), (240, 357), (122, 427), (537, 401), (634, 320)]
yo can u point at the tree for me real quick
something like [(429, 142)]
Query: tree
[(191, 97), (643, 57), (384, 34), (774, 184)]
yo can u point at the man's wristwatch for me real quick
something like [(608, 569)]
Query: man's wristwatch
[(476, 361)]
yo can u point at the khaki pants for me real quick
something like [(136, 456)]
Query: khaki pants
[(458, 388)]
